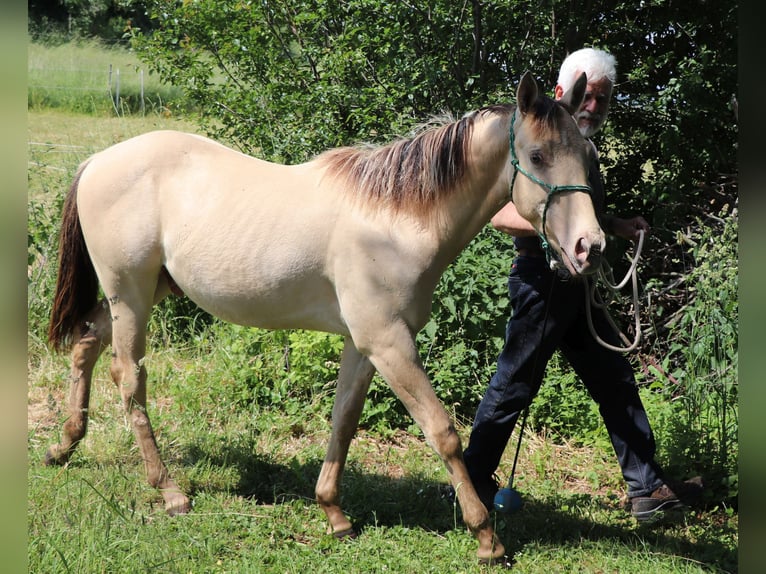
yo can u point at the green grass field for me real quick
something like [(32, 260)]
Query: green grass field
[(92, 78), (251, 470)]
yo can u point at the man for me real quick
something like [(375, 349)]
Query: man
[(549, 314)]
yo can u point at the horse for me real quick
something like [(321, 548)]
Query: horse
[(352, 242)]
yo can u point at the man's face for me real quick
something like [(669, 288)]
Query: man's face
[(595, 107)]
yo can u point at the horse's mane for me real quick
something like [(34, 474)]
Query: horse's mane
[(546, 111), (412, 172)]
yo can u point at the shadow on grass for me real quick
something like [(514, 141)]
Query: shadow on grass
[(371, 499), (550, 524)]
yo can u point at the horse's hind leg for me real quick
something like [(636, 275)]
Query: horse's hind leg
[(130, 314), (86, 349), (354, 378), (88, 344)]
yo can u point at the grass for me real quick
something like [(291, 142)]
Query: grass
[(60, 140), (90, 77), (251, 473), (251, 470)]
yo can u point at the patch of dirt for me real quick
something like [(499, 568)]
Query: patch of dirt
[(44, 408)]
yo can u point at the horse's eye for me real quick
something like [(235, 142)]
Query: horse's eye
[(536, 158)]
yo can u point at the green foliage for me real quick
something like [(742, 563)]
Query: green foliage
[(286, 80), (178, 320), (42, 243), (257, 367), (313, 361), (62, 20), (699, 371), (383, 413), (564, 408)]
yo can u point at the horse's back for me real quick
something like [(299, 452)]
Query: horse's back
[(246, 239), (176, 184)]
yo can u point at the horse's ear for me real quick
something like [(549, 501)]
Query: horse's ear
[(572, 100), (526, 93)]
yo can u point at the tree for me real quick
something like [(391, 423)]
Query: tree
[(287, 79), (284, 80), (104, 19)]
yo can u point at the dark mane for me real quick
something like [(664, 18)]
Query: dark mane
[(411, 172)]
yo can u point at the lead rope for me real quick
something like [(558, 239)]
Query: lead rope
[(593, 299)]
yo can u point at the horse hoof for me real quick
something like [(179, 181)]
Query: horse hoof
[(347, 534), (503, 561), (178, 509), (51, 459)]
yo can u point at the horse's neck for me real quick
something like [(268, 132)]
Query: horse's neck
[(486, 186)]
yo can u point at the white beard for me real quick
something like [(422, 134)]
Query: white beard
[(590, 129)]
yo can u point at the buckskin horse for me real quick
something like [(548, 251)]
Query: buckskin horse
[(352, 242)]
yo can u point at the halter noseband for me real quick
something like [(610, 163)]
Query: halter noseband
[(552, 189)]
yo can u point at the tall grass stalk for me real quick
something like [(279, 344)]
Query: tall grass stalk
[(706, 338)]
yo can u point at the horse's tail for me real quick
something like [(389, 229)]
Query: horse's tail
[(77, 283)]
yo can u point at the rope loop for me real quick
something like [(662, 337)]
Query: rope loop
[(593, 299)]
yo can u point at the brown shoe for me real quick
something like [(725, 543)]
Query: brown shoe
[(644, 508)]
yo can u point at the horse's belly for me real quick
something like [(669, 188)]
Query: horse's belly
[(295, 305)]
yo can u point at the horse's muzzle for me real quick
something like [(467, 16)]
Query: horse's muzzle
[(588, 256)]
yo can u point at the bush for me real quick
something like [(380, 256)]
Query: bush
[(698, 373), (42, 246), (564, 409)]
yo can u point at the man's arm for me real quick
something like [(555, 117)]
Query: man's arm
[(509, 221)]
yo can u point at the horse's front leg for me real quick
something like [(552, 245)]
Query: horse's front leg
[(88, 345), (394, 354), (354, 378)]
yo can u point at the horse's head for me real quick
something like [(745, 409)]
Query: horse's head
[(551, 190)]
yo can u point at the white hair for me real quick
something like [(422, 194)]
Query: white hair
[(596, 64)]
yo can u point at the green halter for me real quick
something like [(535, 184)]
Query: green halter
[(552, 189)]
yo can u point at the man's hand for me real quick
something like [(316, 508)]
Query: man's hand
[(630, 228)]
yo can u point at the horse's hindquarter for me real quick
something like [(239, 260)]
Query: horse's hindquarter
[(245, 239)]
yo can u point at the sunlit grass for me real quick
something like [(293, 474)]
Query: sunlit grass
[(88, 76)]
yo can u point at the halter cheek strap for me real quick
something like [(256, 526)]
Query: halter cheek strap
[(551, 189)]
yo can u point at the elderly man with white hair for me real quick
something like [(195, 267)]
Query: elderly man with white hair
[(549, 314)]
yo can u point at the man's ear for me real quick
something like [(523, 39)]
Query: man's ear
[(558, 92)]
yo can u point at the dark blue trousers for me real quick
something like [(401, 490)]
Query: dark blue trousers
[(542, 299)]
